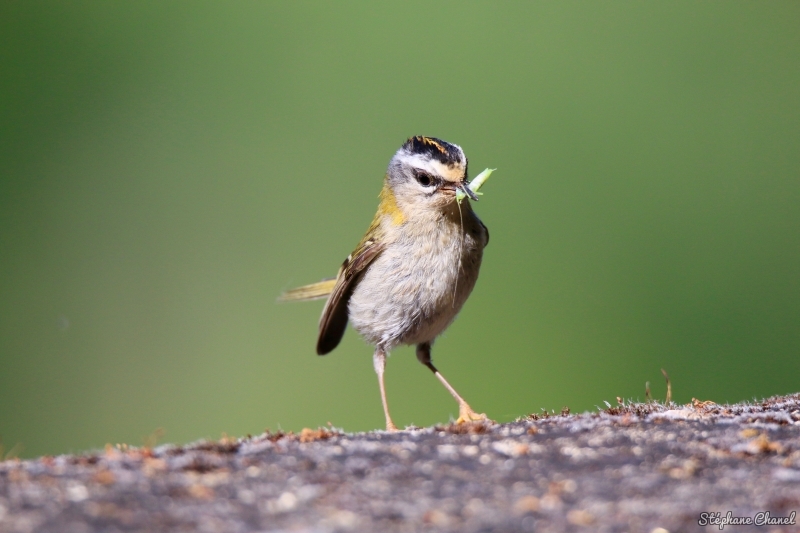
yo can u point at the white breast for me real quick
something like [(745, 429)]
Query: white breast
[(413, 290)]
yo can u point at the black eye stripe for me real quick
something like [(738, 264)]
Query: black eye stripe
[(424, 179)]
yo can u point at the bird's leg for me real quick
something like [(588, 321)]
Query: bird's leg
[(465, 412), (379, 360)]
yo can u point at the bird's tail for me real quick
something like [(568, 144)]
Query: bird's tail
[(315, 291)]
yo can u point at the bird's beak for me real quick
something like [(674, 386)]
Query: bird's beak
[(464, 187)]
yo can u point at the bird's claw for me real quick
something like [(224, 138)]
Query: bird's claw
[(467, 415)]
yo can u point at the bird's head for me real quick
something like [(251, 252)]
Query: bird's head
[(426, 172)]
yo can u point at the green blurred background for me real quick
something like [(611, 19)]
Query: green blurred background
[(167, 169)]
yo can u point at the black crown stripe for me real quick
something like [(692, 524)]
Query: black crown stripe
[(442, 151)]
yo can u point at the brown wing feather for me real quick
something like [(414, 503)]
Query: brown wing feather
[(334, 316)]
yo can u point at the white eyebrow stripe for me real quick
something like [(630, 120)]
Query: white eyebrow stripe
[(432, 166)]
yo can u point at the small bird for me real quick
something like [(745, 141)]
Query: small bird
[(414, 268)]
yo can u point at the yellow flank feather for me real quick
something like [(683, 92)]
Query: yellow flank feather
[(388, 206), (315, 291)]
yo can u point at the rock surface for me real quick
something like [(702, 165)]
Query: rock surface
[(634, 467)]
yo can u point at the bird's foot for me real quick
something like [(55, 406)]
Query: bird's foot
[(466, 415), (390, 426)]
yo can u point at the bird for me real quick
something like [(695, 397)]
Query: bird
[(415, 267)]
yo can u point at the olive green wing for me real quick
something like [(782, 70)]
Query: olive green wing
[(334, 316)]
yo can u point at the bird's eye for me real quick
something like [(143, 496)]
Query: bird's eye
[(424, 179)]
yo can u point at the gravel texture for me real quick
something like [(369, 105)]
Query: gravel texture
[(632, 467)]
